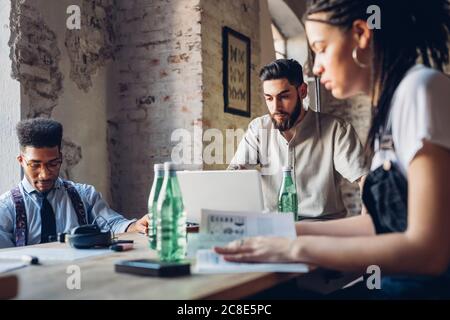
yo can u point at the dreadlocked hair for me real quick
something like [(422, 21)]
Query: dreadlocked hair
[(411, 30)]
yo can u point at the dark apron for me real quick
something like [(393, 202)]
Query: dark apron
[(385, 195)]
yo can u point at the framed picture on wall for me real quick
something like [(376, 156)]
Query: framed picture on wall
[(236, 72)]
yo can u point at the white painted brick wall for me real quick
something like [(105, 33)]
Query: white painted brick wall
[(159, 90)]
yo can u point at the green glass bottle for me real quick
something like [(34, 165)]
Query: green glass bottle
[(287, 197), (171, 226), (152, 203)]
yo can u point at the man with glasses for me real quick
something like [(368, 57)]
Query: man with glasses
[(43, 204)]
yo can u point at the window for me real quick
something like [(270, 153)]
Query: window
[(280, 43)]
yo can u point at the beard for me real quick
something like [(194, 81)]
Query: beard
[(290, 119)]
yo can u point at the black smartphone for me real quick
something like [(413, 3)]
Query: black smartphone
[(153, 268)]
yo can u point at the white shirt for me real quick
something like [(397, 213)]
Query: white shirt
[(420, 110), (65, 214), (324, 150)]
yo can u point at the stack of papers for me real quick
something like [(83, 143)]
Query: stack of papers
[(218, 228), (210, 262), (52, 254), (10, 266)]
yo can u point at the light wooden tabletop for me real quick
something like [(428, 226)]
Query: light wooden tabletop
[(100, 281)]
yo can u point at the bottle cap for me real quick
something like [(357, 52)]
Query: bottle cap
[(158, 167), (170, 166), (287, 168)]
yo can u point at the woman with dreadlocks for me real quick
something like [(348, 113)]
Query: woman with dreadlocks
[(406, 232)]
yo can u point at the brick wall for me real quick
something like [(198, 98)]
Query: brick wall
[(169, 76), (356, 111), (241, 16), (9, 106), (35, 59), (48, 60), (133, 74), (93, 46), (159, 89), (136, 72)]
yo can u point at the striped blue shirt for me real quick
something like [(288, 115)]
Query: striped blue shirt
[(66, 217)]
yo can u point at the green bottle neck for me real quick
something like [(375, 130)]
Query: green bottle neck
[(172, 183), (287, 177), (159, 174), (171, 173)]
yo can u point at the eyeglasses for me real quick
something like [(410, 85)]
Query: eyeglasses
[(50, 166)]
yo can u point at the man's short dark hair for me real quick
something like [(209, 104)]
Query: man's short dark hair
[(39, 133), (283, 68)]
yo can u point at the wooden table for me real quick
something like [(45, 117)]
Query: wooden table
[(100, 281)]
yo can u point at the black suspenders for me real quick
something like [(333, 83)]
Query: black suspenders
[(21, 231), (76, 203)]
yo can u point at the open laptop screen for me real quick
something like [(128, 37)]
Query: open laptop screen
[(231, 190)]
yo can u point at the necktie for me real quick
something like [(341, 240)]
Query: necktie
[(48, 221)]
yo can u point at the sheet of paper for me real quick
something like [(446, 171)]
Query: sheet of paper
[(10, 266), (52, 254), (197, 241), (246, 224), (217, 228), (210, 262)]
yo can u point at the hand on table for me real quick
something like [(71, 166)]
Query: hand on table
[(140, 225)]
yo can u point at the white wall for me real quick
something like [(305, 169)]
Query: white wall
[(297, 48), (83, 114), (288, 21), (265, 34), (9, 107)]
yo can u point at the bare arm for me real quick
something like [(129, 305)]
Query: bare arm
[(354, 226), (360, 225), (424, 248)]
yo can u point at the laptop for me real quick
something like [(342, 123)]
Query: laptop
[(230, 190)]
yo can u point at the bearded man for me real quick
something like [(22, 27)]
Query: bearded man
[(320, 156)]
